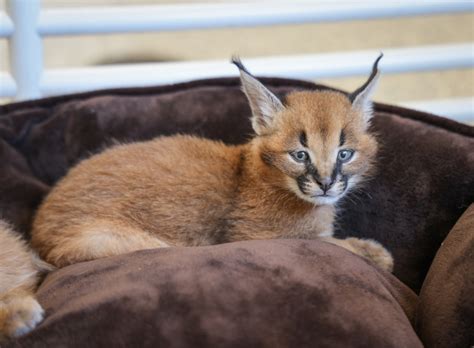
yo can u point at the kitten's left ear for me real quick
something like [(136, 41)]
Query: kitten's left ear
[(361, 97), (264, 104)]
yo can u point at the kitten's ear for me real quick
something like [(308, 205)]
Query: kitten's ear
[(361, 97), (264, 104)]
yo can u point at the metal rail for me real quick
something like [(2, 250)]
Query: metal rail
[(312, 66), (25, 24)]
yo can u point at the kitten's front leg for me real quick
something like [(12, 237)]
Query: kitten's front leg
[(367, 248)]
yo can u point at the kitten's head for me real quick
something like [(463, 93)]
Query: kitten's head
[(314, 143)]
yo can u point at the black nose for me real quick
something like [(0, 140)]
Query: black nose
[(325, 183)]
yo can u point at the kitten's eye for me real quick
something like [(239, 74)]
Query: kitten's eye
[(345, 155), (300, 156)]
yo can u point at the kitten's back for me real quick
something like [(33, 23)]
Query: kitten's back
[(169, 177)]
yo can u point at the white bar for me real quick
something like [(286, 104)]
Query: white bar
[(459, 109), (26, 55), (6, 25), (88, 20), (7, 85), (314, 66)]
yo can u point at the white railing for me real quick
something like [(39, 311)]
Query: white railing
[(312, 66), (460, 109), (25, 24)]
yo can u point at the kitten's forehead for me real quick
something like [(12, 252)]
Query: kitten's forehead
[(323, 112)]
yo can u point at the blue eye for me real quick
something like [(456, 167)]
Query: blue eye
[(345, 155), (300, 156)]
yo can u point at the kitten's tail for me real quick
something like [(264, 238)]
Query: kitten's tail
[(20, 270)]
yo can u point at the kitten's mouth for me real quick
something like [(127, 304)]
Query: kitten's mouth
[(332, 193), (329, 195), (310, 191), (332, 196)]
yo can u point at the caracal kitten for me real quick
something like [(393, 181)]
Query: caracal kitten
[(310, 149)]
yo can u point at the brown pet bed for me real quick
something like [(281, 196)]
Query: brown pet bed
[(288, 293)]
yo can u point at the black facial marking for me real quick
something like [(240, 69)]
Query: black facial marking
[(311, 170), (303, 139), (240, 165), (342, 138), (302, 180), (337, 170), (344, 180), (267, 158)]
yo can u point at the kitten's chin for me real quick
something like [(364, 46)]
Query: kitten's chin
[(325, 200), (319, 200)]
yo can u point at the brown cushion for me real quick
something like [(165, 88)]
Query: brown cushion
[(446, 309), (279, 293), (424, 183)]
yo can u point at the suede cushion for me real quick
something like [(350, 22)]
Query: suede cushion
[(425, 174), (279, 293), (446, 309)]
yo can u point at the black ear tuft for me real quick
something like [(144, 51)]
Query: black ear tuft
[(375, 69), (238, 63)]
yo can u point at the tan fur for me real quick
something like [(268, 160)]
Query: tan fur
[(19, 270), (186, 191)]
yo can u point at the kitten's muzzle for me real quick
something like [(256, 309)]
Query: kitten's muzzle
[(325, 183)]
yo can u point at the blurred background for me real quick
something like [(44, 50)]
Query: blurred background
[(64, 52)]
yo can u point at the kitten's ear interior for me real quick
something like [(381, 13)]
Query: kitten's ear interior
[(264, 104), (361, 97)]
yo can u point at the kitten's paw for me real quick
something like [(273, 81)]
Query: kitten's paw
[(24, 314), (374, 251)]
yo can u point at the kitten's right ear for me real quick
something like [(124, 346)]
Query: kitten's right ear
[(361, 98), (264, 104)]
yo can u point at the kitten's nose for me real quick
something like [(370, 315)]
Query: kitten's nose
[(325, 183)]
